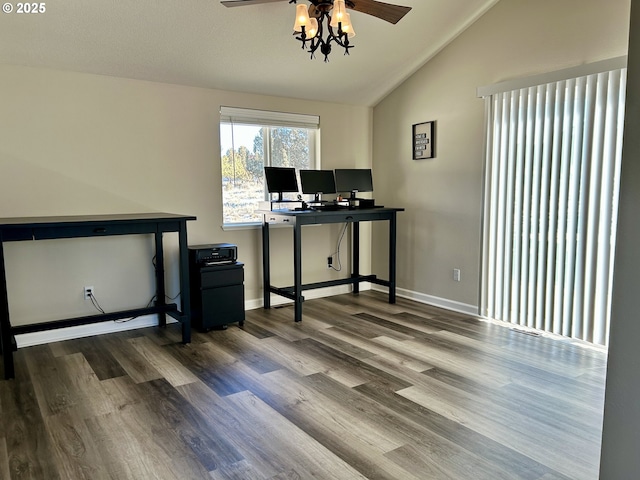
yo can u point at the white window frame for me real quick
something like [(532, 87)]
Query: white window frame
[(270, 119)]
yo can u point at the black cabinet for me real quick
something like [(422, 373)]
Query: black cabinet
[(217, 295)]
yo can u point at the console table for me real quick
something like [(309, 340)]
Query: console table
[(297, 219), (44, 228)]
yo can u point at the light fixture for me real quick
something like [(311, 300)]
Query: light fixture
[(322, 23)]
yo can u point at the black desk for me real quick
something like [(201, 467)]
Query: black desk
[(43, 228), (297, 219)]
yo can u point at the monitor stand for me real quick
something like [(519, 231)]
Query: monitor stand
[(317, 198)]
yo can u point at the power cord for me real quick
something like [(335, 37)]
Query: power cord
[(125, 320), (167, 297), (337, 252), (99, 308), (95, 303)]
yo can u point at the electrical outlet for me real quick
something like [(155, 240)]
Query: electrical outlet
[(456, 274), (329, 262), (88, 293)]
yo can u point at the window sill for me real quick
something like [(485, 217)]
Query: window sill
[(241, 226), (255, 226)]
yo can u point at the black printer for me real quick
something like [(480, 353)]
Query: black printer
[(213, 254)]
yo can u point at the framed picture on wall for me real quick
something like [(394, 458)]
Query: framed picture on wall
[(423, 140)]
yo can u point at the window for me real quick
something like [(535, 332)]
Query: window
[(253, 139)]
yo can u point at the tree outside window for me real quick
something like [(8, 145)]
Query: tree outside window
[(245, 150)]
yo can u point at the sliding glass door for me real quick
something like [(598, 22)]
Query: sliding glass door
[(551, 196)]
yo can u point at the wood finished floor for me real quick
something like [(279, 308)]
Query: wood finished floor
[(359, 389)]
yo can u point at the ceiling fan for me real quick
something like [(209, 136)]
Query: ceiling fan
[(385, 11), (326, 21)]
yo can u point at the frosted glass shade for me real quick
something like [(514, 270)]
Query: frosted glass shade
[(347, 27), (338, 13), (302, 18)]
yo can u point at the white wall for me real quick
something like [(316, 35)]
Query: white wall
[(441, 228), (621, 431), (75, 143)]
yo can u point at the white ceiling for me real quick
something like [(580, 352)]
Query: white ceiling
[(249, 49)]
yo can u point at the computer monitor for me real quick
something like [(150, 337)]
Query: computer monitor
[(317, 182), (280, 180), (354, 180)]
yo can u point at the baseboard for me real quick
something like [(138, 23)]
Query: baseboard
[(69, 333), (61, 334), (81, 331), (432, 300), (58, 335)]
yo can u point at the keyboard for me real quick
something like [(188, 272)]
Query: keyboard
[(327, 207)]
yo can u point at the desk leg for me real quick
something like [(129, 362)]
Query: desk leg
[(266, 274), (5, 324), (185, 290), (356, 255), (297, 271), (392, 258), (160, 287)]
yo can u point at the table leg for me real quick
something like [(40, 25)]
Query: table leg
[(5, 324), (160, 286), (266, 274), (392, 258), (355, 253), (185, 291), (297, 272)]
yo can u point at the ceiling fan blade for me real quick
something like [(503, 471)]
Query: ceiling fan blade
[(385, 11), (241, 3)]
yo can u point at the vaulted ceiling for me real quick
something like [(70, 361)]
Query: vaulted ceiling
[(249, 49)]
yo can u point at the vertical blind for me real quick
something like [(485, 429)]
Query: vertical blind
[(551, 199)]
